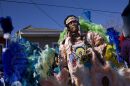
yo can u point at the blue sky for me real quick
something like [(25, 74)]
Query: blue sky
[(51, 13)]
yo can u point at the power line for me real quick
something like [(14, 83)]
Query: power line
[(61, 6), (46, 14)]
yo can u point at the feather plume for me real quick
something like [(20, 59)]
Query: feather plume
[(114, 39), (15, 62), (6, 24), (45, 62)]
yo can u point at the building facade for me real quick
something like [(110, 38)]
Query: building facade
[(41, 36)]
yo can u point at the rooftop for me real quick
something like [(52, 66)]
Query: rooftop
[(30, 31)]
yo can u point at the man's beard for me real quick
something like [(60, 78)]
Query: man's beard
[(74, 29)]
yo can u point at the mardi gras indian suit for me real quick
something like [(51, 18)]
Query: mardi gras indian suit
[(92, 60)]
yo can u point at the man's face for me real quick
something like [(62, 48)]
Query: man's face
[(73, 26)]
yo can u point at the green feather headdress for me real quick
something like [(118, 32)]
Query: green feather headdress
[(86, 26), (89, 26)]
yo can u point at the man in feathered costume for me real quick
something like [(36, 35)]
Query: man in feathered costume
[(85, 51), (73, 47), (79, 50)]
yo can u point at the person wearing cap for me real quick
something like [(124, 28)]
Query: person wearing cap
[(125, 48), (78, 48), (73, 28), (73, 47)]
